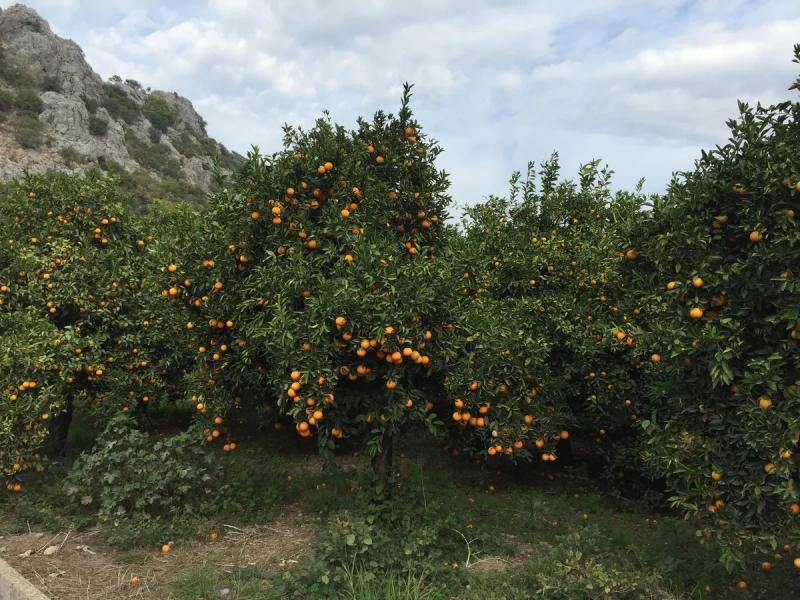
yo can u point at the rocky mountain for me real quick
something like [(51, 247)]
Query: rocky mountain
[(57, 113)]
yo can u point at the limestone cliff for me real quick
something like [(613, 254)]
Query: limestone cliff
[(57, 113)]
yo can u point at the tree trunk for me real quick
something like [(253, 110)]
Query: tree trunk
[(56, 443), (382, 463)]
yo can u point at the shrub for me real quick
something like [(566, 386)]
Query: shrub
[(154, 135), (159, 113), (396, 539), (51, 83), (71, 156), (6, 101), (118, 104), (228, 160), (155, 157), (187, 145), (131, 474), (28, 100), (13, 74), (28, 131), (98, 126), (91, 104)]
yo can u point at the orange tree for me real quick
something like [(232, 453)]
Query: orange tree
[(718, 272), (320, 293), (79, 327), (545, 332)]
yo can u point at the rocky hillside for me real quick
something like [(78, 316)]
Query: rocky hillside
[(57, 113)]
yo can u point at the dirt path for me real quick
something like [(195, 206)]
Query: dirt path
[(84, 568)]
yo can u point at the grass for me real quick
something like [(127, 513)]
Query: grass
[(241, 583), (362, 584), (540, 532)]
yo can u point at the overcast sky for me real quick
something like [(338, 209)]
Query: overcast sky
[(643, 85)]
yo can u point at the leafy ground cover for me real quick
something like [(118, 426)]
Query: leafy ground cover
[(285, 525)]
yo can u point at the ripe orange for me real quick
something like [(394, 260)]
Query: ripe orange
[(656, 358), (165, 548), (697, 282), (764, 403), (136, 581), (631, 254), (213, 536), (696, 312), (756, 236)]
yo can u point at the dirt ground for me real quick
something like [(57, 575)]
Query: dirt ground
[(83, 568)]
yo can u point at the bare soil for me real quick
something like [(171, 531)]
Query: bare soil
[(85, 568)]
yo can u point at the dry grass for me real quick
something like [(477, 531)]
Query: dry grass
[(86, 569)]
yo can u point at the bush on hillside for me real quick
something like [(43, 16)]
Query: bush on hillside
[(118, 104), (159, 113), (28, 100), (155, 157), (51, 83), (71, 156), (98, 126), (28, 131), (7, 101), (13, 74)]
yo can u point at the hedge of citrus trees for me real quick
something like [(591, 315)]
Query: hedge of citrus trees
[(718, 271), (545, 330), (80, 318), (325, 289)]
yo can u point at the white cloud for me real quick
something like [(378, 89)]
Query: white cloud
[(643, 84)]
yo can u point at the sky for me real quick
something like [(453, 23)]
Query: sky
[(643, 85)]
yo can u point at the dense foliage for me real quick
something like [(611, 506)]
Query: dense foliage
[(324, 289)]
